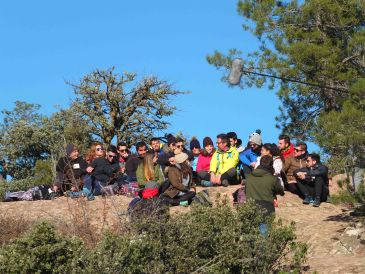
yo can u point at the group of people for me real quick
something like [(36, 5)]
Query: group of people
[(171, 171)]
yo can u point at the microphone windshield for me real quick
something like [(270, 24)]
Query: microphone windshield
[(235, 75)]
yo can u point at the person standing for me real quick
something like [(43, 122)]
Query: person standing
[(262, 187)]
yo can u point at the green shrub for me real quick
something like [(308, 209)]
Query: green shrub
[(205, 240), (43, 172), (42, 251)]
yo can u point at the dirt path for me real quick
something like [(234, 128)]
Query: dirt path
[(332, 246)]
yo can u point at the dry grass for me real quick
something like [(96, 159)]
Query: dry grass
[(12, 227)]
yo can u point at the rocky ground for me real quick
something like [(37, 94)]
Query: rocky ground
[(336, 240)]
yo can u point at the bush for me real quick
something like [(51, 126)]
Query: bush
[(205, 240), (42, 251)]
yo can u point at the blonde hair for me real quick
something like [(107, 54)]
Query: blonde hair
[(148, 166)]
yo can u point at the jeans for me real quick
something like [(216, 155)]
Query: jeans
[(91, 185)]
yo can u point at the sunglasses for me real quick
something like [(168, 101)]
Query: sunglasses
[(297, 150), (122, 150), (110, 156), (179, 146), (99, 149)]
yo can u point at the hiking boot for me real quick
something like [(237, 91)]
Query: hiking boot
[(225, 183), (307, 200), (317, 202)]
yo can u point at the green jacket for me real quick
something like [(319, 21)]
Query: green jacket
[(262, 187), (141, 179), (223, 161)]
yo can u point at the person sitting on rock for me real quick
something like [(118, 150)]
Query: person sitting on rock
[(101, 170), (293, 163), (223, 164), (134, 160), (203, 163), (249, 156), (180, 182), (285, 146), (148, 171), (313, 180), (71, 170)]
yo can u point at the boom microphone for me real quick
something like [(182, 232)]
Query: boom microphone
[(235, 75)]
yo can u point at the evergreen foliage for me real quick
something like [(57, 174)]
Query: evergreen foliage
[(205, 240)]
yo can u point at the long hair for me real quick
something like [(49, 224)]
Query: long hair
[(205, 153), (274, 150), (91, 153), (148, 166), (185, 169)]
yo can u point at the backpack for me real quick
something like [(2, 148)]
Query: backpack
[(239, 196), (202, 198)]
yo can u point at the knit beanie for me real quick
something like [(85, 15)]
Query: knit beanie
[(256, 138), (69, 149), (194, 143), (207, 141)]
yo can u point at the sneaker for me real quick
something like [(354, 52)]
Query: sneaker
[(225, 183), (90, 197), (317, 202), (307, 200)]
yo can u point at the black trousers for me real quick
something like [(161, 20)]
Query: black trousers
[(315, 188)]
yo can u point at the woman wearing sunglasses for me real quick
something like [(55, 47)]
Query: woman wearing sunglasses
[(101, 168)]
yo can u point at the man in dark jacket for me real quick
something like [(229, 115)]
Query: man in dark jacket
[(262, 186), (134, 160), (313, 180), (70, 171)]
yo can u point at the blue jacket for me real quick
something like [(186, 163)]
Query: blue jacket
[(248, 156)]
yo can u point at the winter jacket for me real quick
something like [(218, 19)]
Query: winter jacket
[(164, 155), (69, 170), (132, 164), (248, 156), (262, 187), (288, 152), (293, 163), (222, 161), (141, 179), (103, 169), (203, 163), (176, 182), (319, 170)]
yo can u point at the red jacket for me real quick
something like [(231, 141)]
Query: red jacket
[(288, 151), (203, 163)]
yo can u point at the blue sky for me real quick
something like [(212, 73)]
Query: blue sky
[(45, 43)]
